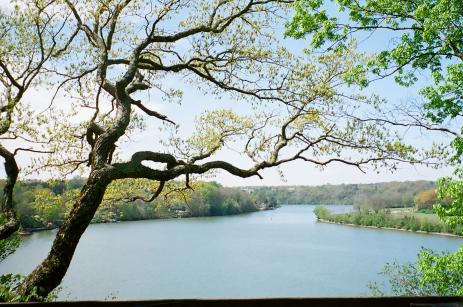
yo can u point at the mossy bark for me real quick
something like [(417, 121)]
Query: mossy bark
[(49, 274)]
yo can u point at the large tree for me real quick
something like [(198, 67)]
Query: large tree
[(125, 52)]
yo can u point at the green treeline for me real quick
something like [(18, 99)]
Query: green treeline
[(375, 195), (210, 199), (44, 204), (399, 205), (388, 219), (215, 200)]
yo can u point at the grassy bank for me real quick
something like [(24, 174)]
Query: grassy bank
[(404, 219)]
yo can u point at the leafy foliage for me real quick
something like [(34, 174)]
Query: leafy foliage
[(432, 274), (402, 279), (430, 30), (450, 199), (425, 35), (321, 212), (425, 200), (365, 196), (45, 203), (8, 285), (444, 272), (8, 245), (385, 218)]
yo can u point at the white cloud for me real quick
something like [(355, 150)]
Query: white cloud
[(5, 4)]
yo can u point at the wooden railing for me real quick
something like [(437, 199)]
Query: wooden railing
[(280, 302)]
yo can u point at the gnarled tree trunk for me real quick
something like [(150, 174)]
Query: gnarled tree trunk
[(12, 170), (48, 275)]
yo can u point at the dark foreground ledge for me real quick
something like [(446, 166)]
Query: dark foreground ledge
[(279, 302)]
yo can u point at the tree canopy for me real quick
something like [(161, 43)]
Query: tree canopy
[(433, 274), (424, 35)]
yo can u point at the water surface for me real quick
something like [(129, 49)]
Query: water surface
[(279, 253)]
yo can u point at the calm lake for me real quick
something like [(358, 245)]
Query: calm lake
[(279, 253)]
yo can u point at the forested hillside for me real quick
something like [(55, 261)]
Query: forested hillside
[(42, 203), (375, 195)]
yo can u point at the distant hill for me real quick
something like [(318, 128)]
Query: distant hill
[(39, 203), (381, 195)]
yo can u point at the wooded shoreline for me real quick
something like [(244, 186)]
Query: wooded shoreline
[(30, 231), (445, 234)]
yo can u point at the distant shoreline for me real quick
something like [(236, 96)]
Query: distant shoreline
[(30, 231), (444, 234)]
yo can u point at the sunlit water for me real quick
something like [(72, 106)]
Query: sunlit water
[(279, 253)]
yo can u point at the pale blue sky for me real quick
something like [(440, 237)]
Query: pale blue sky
[(296, 173)]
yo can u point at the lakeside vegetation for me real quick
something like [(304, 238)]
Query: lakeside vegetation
[(374, 195), (44, 204), (385, 207), (397, 219)]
